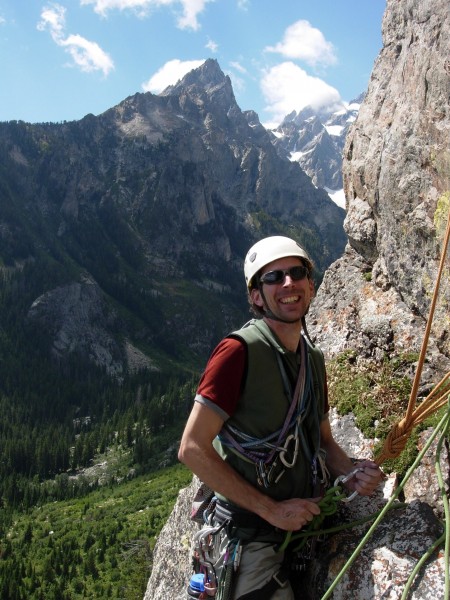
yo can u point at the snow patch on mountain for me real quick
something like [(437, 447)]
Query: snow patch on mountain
[(316, 141), (337, 196)]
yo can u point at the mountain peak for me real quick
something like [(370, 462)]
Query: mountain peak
[(205, 90), (207, 75)]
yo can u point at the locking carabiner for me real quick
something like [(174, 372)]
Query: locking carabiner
[(344, 479)]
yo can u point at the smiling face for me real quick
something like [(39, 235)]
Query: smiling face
[(287, 301)]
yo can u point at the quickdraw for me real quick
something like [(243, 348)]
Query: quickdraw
[(206, 554)]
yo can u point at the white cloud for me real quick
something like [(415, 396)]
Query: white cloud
[(301, 41), (211, 45), (54, 19), (85, 54), (187, 20), (140, 7), (169, 74), (88, 55), (238, 67), (287, 87), (191, 9)]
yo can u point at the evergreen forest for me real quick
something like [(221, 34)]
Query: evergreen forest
[(88, 471)]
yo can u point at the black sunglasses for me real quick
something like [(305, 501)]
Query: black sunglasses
[(296, 273)]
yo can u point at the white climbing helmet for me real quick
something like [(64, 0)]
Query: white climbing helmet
[(270, 249)]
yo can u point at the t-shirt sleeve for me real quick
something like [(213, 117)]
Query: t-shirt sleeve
[(221, 383)]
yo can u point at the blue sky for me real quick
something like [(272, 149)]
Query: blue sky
[(63, 59)]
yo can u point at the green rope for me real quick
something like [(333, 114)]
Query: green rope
[(335, 529), (328, 506), (443, 425), (445, 537), (420, 564), (446, 508)]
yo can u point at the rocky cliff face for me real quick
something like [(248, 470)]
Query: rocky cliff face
[(78, 318), (376, 298)]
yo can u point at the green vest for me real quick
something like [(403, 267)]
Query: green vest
[(263, 406)]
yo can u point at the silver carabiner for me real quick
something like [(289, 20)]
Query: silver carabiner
[(289, 438), (344, 479)]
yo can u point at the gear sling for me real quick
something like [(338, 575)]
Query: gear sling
[(283, 463)]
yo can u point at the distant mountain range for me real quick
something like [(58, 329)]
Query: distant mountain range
[(315, 139), (138, 220)]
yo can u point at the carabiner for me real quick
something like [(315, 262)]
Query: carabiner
[(344, 479), (287, 464)]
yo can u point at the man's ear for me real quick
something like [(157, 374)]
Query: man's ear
[(312, 288), (255, 296)]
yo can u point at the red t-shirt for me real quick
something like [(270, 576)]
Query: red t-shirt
[(221, 382)]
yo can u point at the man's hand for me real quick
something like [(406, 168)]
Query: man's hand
[(293, 514), (367, 480)]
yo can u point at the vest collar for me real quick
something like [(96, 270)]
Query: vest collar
[(270, 336)]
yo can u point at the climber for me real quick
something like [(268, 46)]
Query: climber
[(258, 433)]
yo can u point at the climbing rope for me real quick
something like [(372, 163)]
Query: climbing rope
[(328, 506), (442, 428), (392, 448), (445, 537), (400, 432), (398, 437)]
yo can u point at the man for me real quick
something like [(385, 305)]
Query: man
[(258, 433)]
